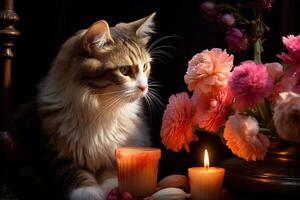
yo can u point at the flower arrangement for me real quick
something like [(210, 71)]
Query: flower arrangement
[(245, 104)]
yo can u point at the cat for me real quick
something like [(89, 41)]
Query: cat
[(89, 104)]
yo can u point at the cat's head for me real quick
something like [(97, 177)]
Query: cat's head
[(110, 60)]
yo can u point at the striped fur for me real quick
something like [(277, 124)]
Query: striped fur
[(88, 108)]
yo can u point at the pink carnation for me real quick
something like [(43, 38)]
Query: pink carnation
[(290, 81), (236, 40), (292, 44), (176, 131), (208, 70), (243, 138), (275, 70), (211, 110), (250, 83)]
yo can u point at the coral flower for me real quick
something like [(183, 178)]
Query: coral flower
[(236, 40), (292, 44), (208, 70), (250, 83), (287, 116), (243, 138), (211, 109), (176, 131)]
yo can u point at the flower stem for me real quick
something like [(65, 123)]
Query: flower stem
[(261, 107), (257, 51), (258, 30)]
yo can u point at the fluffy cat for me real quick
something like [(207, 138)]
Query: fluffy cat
[(90, 103)]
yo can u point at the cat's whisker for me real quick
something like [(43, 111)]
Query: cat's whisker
[(161, 52), (156, 100), (113, 92), (114, 100), (162, 47), (155, 94), (152, 81), (157, 58), (150, 109), (162, 39), (155, 85)]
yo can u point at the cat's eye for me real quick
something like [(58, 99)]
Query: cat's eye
[(125, 70), (145, 67)]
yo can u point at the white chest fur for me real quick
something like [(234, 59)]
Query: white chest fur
[(92, 143)]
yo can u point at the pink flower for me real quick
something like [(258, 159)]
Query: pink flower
[(287, 116), (113, 194), (290, 81), (211, 109), (176, 131), (292, 44), (243, 138), (227, 20), (209, 10), (275, 70), (250, 83), (126, 196), (209, 70), (236, 40)]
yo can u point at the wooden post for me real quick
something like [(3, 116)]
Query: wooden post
[(8, 34)]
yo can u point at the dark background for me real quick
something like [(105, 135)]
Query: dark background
[(45, 25)]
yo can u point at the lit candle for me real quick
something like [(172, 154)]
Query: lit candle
[(206, 182), (137, 170)]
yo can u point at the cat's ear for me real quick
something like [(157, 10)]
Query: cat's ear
[(141, 28), (98, 34)]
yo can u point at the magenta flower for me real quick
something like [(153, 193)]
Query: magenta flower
[(126, 196), (236, 40), (176, 131), (250, 83), (292, 44)]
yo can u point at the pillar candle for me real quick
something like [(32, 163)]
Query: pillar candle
[(137, 170), (206, 182)]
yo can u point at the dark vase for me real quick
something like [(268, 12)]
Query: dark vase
[(277, 176)]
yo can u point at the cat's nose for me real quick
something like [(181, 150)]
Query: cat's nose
[(143, 87)]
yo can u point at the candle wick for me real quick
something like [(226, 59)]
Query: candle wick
[(206, 168)]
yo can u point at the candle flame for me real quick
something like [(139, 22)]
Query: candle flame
[(206, 159)]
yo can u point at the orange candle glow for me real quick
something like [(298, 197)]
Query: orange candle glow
[(137, 170), (206, 182)]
